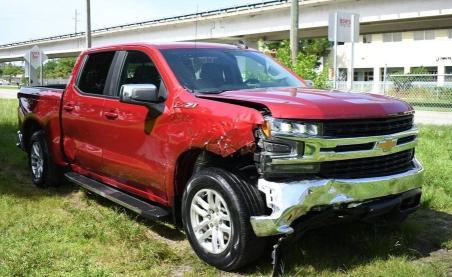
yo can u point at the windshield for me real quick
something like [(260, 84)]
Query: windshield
[(207, 70)]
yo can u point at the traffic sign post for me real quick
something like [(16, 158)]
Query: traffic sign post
[(34, 59), (343, 27)]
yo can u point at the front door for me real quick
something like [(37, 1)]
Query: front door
[(133, 154)]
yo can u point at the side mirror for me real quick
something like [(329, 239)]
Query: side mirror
[(140, 94)]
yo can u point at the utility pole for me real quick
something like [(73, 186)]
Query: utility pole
[(294, 30), (75, 21), (88, 24)]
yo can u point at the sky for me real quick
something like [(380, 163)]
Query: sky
[(30, 19)]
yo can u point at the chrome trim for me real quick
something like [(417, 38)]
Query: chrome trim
[(290, 200), (20, 140), (313, 153)]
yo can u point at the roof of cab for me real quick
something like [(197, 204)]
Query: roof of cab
[(169, 45), (174, 45)]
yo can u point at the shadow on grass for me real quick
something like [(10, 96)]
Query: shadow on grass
[(15, 178), (343, 247), (164, 227)]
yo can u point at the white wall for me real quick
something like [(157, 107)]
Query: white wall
[(407, 53)]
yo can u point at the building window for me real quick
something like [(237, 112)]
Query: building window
[(363, 74), (367, 38), (342, 74), (424, 35), (424, 70), (448, 72), (429, 34), (397, 36), (392, 37), (390, 71)]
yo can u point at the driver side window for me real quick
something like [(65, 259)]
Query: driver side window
[(139, 69)]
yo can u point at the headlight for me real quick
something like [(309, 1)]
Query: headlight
[(275, 126)]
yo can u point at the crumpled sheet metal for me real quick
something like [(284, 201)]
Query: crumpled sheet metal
[(292, 199)]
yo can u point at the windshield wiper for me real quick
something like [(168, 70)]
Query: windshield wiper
[(210, 91), (189, 89)]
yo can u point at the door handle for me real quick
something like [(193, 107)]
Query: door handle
[(111, 115), (69, 107)]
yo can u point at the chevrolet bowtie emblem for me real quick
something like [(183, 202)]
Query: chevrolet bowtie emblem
[(387, 145)]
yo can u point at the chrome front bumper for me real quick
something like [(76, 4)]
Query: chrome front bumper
[(291, 200)]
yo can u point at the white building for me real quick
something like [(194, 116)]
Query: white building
[(398, 53)]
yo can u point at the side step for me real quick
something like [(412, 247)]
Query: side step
[(126, 200)]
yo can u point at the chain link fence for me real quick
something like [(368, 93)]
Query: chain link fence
[(422, 91)]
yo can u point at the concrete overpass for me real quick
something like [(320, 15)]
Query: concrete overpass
[(267, 20)]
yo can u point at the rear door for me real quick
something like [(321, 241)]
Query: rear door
[(133, 154), (82, 111)]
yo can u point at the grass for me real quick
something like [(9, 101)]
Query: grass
[(67, 232), (12, 87)]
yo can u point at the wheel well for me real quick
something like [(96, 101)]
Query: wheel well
[(194, 160), (28, 129)]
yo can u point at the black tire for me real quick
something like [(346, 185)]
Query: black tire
[(51, 174), (243, 201)]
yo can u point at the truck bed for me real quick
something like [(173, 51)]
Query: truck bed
[(39, 109)]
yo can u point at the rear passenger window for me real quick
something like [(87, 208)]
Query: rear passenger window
[(95, 72)]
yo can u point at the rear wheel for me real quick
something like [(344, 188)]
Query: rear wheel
[(216, 210), (44, 172)]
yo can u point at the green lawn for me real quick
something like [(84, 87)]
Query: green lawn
[(9, 87), (68, 232)]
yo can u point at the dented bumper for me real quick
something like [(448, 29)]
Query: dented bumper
[(293, 199)]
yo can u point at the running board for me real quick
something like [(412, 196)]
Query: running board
[(126, 200)]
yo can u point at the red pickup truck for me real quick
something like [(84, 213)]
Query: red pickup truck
[(230, 143)]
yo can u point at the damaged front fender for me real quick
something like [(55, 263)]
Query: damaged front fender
[(220, 128)]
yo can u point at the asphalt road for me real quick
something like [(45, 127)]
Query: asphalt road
[(8, 93)]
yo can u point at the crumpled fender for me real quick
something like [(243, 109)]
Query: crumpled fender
[(218, 127)]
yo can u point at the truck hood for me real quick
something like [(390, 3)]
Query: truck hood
[(302, 103)]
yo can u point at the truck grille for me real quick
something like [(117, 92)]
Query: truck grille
[(368, 167), (367, 127)]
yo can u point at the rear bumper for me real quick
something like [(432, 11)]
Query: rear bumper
[(291, 200)]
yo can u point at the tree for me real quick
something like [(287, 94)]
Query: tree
[(308, 59), (12, 71), (59, 68)]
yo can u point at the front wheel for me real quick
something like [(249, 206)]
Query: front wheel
[(216, 210)]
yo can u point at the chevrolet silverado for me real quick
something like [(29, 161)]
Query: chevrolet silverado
[(237, 148)]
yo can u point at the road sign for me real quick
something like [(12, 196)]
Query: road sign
[(343, 27), (343, 22), (35, 57)]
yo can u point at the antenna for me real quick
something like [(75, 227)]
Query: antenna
[(196, 23)]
